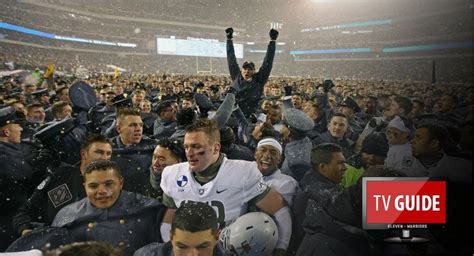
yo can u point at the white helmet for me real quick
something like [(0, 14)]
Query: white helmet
[(253, 233)]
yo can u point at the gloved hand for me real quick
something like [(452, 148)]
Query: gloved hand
[(381, 127), (44, 158), (229, 32), (373, 123), (327, 85), (253, 118), (273, 34), (231, 89)]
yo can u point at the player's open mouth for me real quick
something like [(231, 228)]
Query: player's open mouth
[(265, 164), (103, 199)]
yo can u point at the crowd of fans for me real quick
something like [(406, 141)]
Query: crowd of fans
[(433, 25), (366, 118), (452, 69)]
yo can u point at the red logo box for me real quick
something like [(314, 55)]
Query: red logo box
[(404, 201)]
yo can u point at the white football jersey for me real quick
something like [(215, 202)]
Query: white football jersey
[(236, 183), (283, 184)]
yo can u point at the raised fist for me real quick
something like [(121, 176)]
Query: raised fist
[(229, 32), (273, 34)]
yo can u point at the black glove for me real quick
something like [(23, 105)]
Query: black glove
[(231, 90), (44, 158), (253, 118), (327, 85), (381, 127), (229, 32), (373, 123), (273, 34)]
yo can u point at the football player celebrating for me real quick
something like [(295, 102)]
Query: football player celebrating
[(229, 186)]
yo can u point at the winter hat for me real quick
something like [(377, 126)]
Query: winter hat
[(297, 120)]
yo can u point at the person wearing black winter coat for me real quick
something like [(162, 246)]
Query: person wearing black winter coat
[(324, 216), (247, 83), (16, 174)]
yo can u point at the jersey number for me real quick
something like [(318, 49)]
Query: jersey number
[(220, 211)]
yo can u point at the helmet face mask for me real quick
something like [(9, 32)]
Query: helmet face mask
[(253, 233)]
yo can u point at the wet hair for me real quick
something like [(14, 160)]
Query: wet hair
[(185, 116), (138, 90), (60, 89), (173, 145), (188, 97), (438, 132), (90, 248), (267, 130), (209, 127), (145, 101), (30, 107), (375, 144), (127, 112), (227, 138), (317, 107), (339, 114), (297, 94), (195, 217), (103, 165), (404, 103), (94, 138), (58, 107), (322, 154), (163, 106)]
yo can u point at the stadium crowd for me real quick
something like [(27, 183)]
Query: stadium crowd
[(146, 146)]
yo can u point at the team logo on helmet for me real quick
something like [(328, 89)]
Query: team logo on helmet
[(252, 234)]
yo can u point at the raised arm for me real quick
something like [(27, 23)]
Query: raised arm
[(224, 111), (231, 59), (266, 68)]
